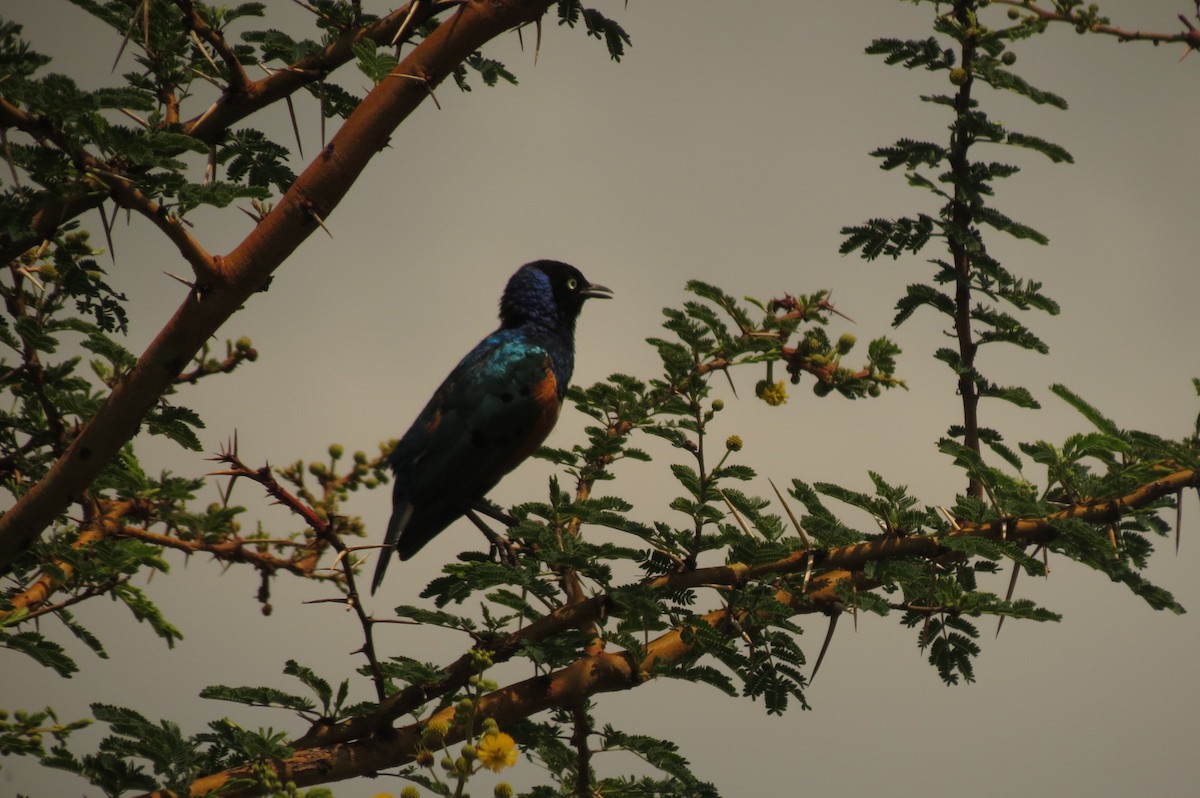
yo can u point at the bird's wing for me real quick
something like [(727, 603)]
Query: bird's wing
[(493, 410)]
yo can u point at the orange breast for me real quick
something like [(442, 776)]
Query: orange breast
[(545, 395)]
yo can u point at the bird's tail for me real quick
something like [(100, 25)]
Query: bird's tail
[(400, 519)]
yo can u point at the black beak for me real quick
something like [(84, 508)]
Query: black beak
[(593, 291)]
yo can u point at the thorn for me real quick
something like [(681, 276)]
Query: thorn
[(1178, 518), (33, 278), (8, 157), (210, 168), (125, 41), (316, 217), (1012, 586), (135, 117), (295, 127), (953, 522), (256, 217), (321, 110), (204, 116), (537, 47), (422, 80), (189, 284), (854, 603), (808, 569), (112, 251), (403, 29), (732, 387), (795, 522), (737, 516), (204, 51), (833, 619), (825, 304)]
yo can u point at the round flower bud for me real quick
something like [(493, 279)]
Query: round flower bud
[(733, 443), (958, 76)]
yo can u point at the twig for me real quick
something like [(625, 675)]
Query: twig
[(583, 754)]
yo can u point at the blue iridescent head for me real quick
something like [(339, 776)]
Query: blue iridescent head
[(549, 294)]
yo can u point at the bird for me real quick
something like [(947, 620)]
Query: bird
[(492, 411)]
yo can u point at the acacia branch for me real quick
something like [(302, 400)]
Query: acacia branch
[(204, 265), (357, 748), (248, 267), (239, 101), (1189, 35), (111, 181), (231, 550), (237, 77), (107, 523), (232, 107)]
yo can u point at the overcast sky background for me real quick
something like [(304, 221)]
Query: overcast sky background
[(730, 145)]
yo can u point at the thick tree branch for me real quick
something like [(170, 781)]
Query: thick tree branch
[(248, 267)]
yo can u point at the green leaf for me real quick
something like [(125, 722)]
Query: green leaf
[(1052, 151), (42, 651), (373, 62), (994, 218), (927, 53), (1098, 419), (177, 423), (309, 677), (257, 697)]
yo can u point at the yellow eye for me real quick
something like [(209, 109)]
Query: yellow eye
[(572, 283)]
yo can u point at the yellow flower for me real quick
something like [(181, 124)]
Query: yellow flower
[(497, 751), (773, 394)]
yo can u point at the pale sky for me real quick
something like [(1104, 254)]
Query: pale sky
[(729, 147)]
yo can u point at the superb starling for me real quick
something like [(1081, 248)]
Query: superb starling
[(496, 407)]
